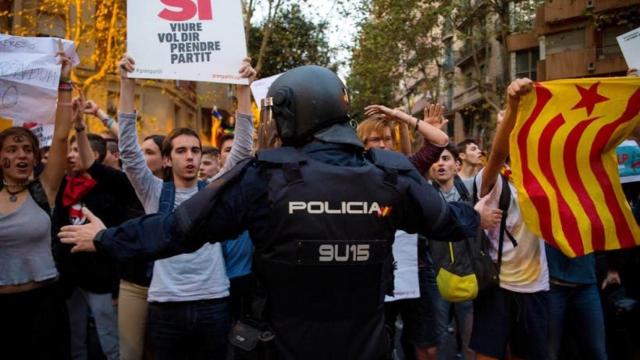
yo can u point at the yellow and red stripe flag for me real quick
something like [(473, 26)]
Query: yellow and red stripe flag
[(563, 157)]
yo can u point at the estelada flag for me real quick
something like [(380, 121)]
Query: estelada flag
[(563, 153)]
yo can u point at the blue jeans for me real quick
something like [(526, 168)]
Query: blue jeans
[(106, 320), (189, 330), (582, 303)]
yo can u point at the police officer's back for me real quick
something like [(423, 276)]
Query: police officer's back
[(322, 216)]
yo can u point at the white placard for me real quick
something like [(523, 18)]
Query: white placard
[(29, 77), (44, 132), (630, 46), (196, 40), (405, 256), (260, 88)]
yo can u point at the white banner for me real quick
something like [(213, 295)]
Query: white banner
[(405, 256), (29, 77), (197, 40)]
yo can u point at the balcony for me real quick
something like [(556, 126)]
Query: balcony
[(466, 97), (464, 55), (560, 10), (517, 42), (570, 64), (605, 5)]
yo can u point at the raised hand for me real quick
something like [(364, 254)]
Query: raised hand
[(78, 106), (243, 92), (91, 108), (433, 116), (372, 110), (247, 71), (489, 217), (65, 61), (126, 65), (517, 88)]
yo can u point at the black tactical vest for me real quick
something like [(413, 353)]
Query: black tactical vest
[(327, 262)]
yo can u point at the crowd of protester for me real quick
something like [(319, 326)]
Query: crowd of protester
[(548, 306)]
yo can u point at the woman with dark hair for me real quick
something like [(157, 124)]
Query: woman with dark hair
[(32, 311), (152, 150)]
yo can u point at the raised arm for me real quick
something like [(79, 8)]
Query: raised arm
[(243, 133), (84, 147), (91, 108), (425, 127), (500, 146), (405, 139), (133, 163), (54, 171)]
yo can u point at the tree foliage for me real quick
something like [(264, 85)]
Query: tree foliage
[(398, 43), (295, 40)]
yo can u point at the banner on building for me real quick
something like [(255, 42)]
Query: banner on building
[(565, 167), (29, 77), (196, 40)]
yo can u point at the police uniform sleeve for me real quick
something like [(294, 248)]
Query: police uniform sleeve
[(213, 214), (429, 214)]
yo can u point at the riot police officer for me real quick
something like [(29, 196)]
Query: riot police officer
[(322, 216)]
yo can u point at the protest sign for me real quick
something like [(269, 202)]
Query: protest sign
[(630, 46), (628, 161), (44, 132), (260, 88), (29, 77), (198, 40), (405, 273)]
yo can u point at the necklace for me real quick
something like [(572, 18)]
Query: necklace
[(12, 194)]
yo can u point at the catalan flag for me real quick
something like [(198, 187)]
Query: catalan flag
[(563, 153)]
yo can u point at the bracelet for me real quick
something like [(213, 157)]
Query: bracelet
[(65, 86), (417, 123), (110, 123), (80, 129)]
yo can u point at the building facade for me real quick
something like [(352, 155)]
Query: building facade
[(574, 38)]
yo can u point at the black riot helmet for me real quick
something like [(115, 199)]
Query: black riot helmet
[(306, 100)]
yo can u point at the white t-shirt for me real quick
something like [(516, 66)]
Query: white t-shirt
[(199, 275), (524, 268)]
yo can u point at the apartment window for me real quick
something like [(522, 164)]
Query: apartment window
[(191, 121), (526, 63), (607, 42), (176, 114), (483, 70), (448, 55), (468, 80), (565, 41)]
